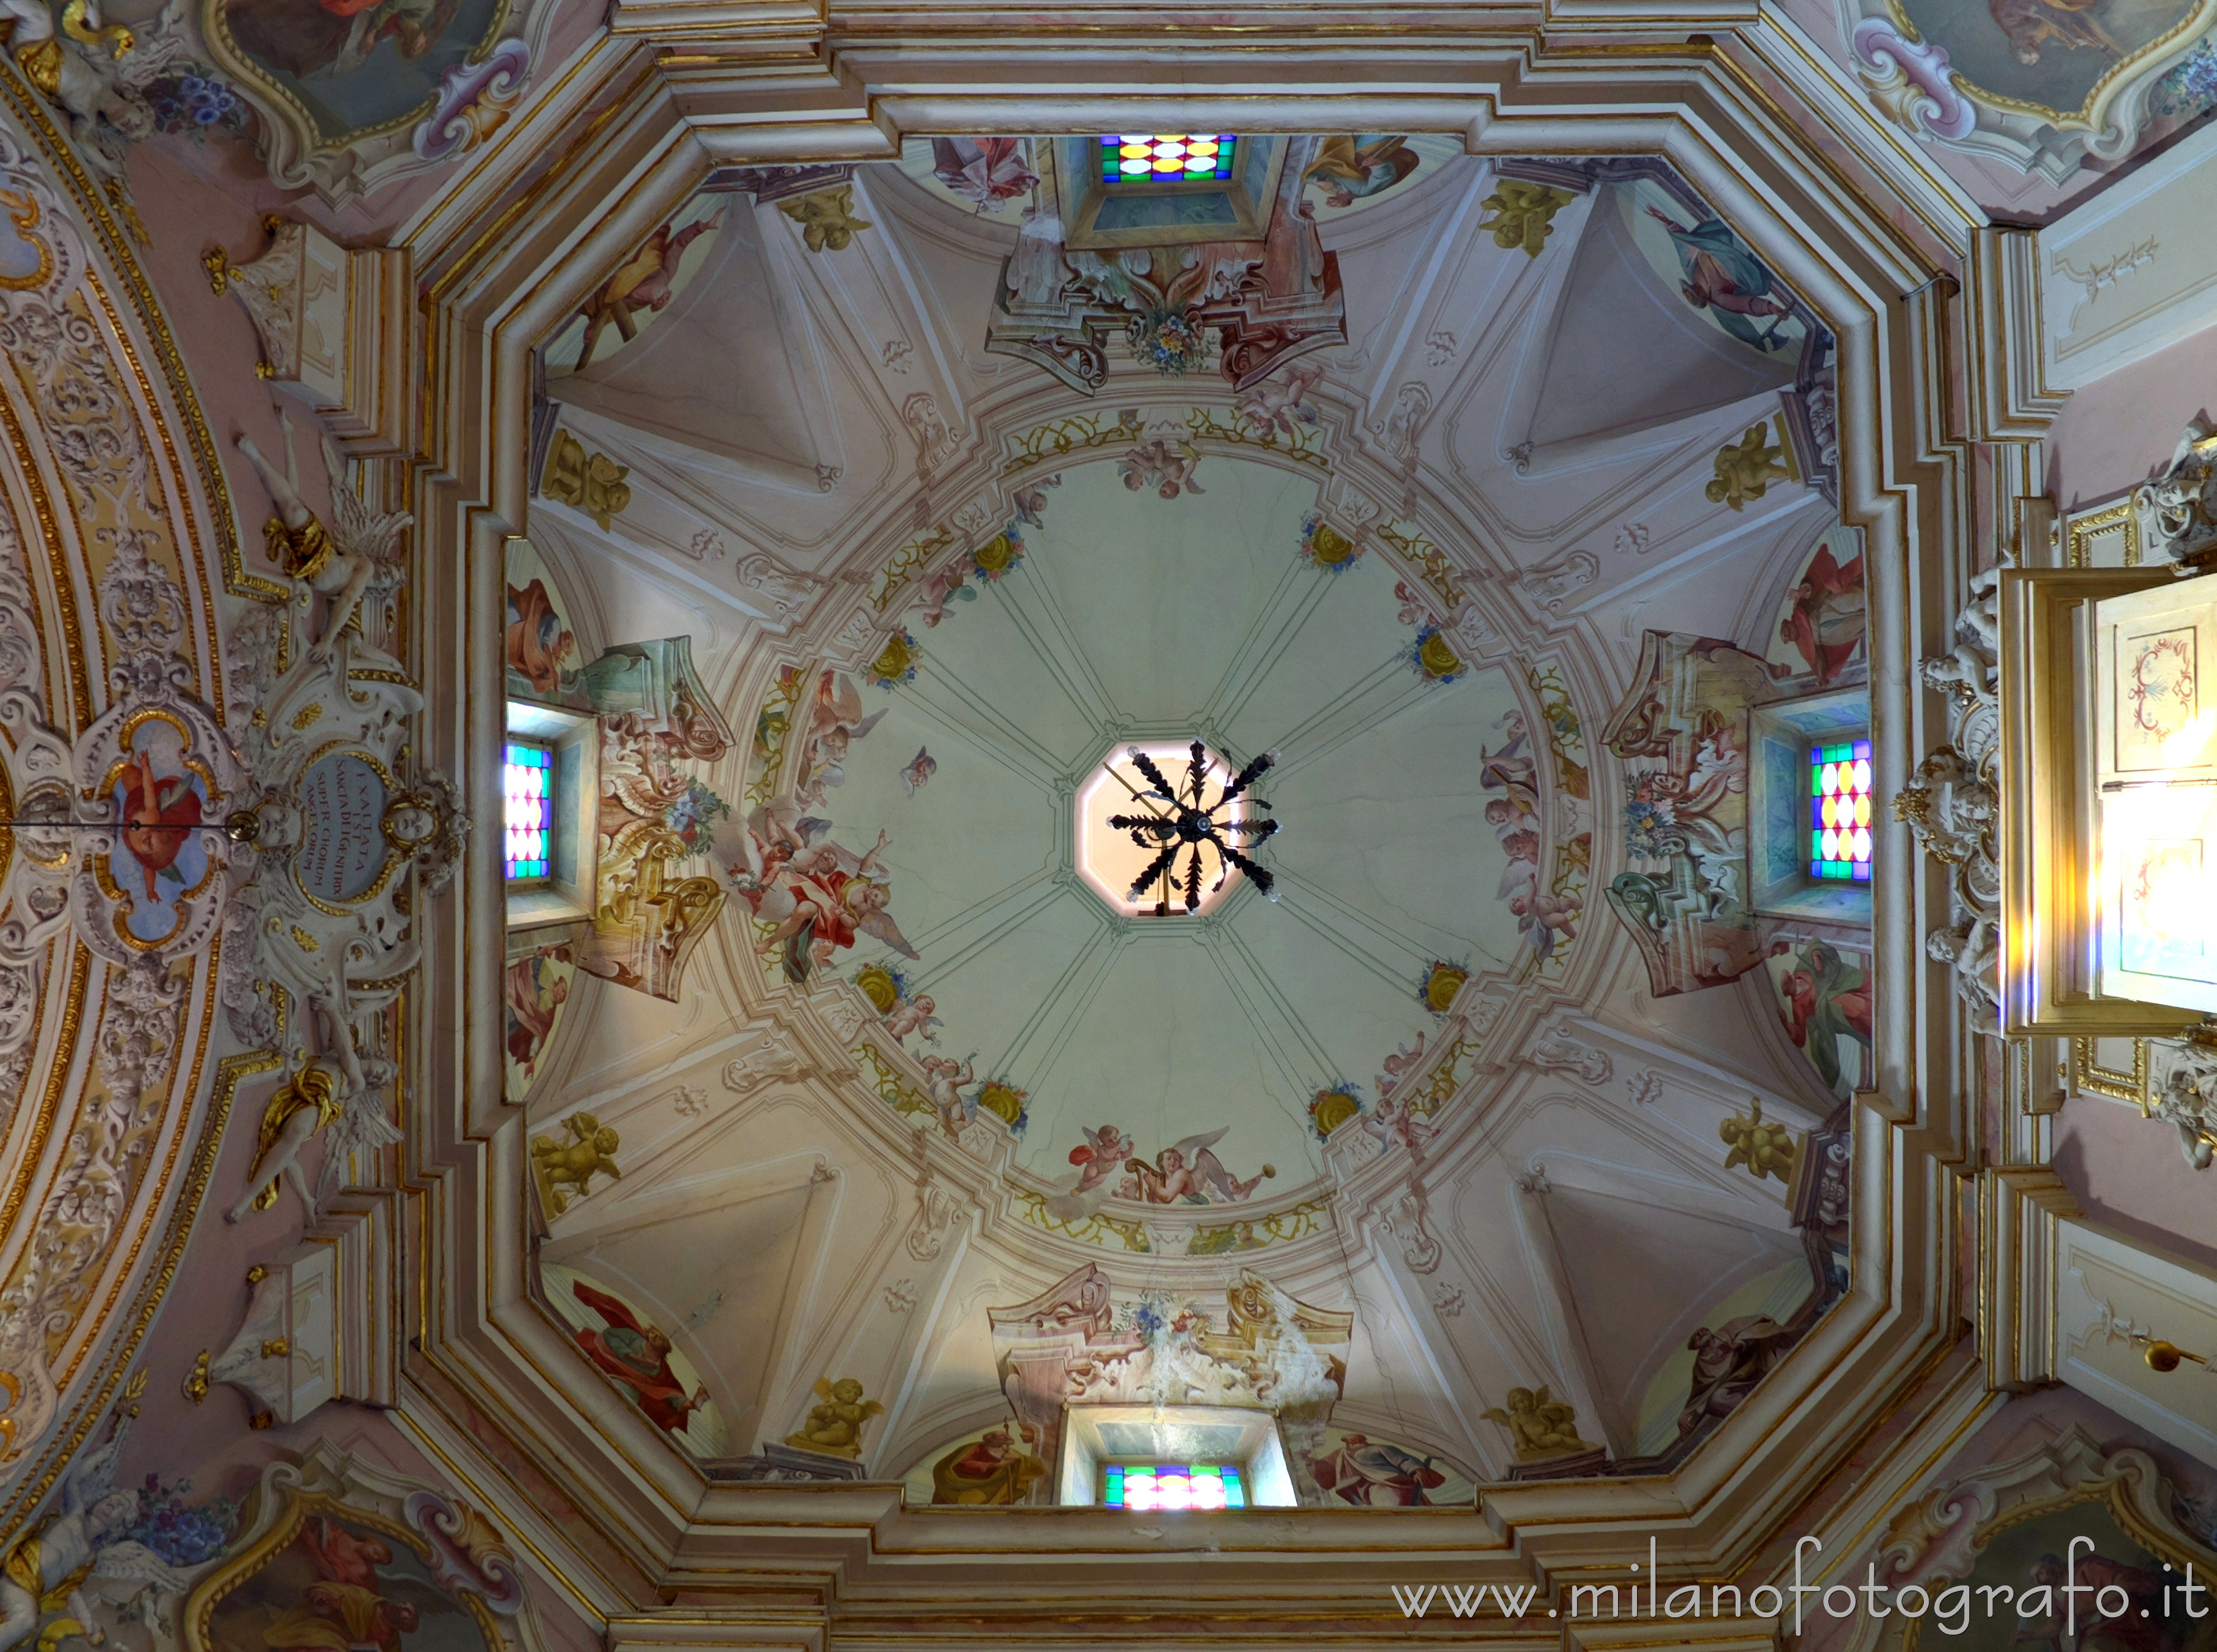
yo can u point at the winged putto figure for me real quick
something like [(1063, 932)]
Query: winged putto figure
[(1188, 1173), (816, 896), (89, 1540), (835, 721), (359, 553)]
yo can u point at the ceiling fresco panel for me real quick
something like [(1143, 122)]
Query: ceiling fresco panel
[(1154, 518), (755, 1213)]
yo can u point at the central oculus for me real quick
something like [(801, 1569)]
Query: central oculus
[(1158, 828)]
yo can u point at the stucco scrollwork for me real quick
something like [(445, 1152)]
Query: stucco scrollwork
[(2177, 510), (2182, 1092)]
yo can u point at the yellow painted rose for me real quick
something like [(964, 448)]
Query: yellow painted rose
[(877, 984), (894, 664), (1437, 658), (995, 555), (1330, 546), (1001, 1099), (1331, 1109), (1440, 991)]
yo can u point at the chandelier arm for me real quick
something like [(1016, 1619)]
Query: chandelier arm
[(1193, 879), (1255, 768), (1138, 797), (1260, 874), (1155, 869), (1136, 824), (1145, 765)]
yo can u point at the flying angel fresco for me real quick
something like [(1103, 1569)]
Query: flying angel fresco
[(817, 895)]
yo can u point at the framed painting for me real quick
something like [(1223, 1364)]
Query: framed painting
[(356, 93), (328, 1575)]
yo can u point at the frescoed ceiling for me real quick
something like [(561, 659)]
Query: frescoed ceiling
[(952, 509)]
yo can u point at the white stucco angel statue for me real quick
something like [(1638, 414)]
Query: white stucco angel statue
[(84, 1542), (343, 563), (337, 1089)]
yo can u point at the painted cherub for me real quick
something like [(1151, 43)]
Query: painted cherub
[(1104, 1151), (835, 721), (567, 1166), (158, 821), (1398, 1065), (1191, 1173), (1158, 465), (835, 1422), (947, 1076), (1030, 500), (1280, 404), (1546, 918), (945, 586), (917, 1014), (1393, 1120)]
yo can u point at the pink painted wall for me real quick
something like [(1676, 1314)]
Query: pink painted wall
[(2127, 1172), (2113, 432)]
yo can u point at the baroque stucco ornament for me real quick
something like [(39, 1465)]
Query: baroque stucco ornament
[(342, 833), (1949, 804)]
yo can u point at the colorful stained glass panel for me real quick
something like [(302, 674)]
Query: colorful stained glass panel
[(1840, 810), (527, 791), (1147, 1487), (1138, 157)]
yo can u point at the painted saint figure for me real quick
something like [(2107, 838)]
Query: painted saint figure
[(1827, 998), (344, 1609), (1374, 1474), (994, 1472), (1827, 620), (324, 40), (1727, 281), (538, 648), (1360, 164), (533, 1004), (638, 1356), (984, 171), (2031, 25), (1728, 1362), (646, 281)]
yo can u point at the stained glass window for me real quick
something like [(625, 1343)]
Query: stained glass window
[(1149, 1486), (1134, 157), (1840, 810), (527, 784)]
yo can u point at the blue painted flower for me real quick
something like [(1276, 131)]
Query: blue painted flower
[(181, 1535), (1171, 341), (1646, 821)]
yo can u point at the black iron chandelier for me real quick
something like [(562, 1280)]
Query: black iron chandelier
[(1181, 820)]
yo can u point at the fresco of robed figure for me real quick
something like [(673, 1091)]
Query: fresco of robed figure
[(356, 66), (2049, 53)]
